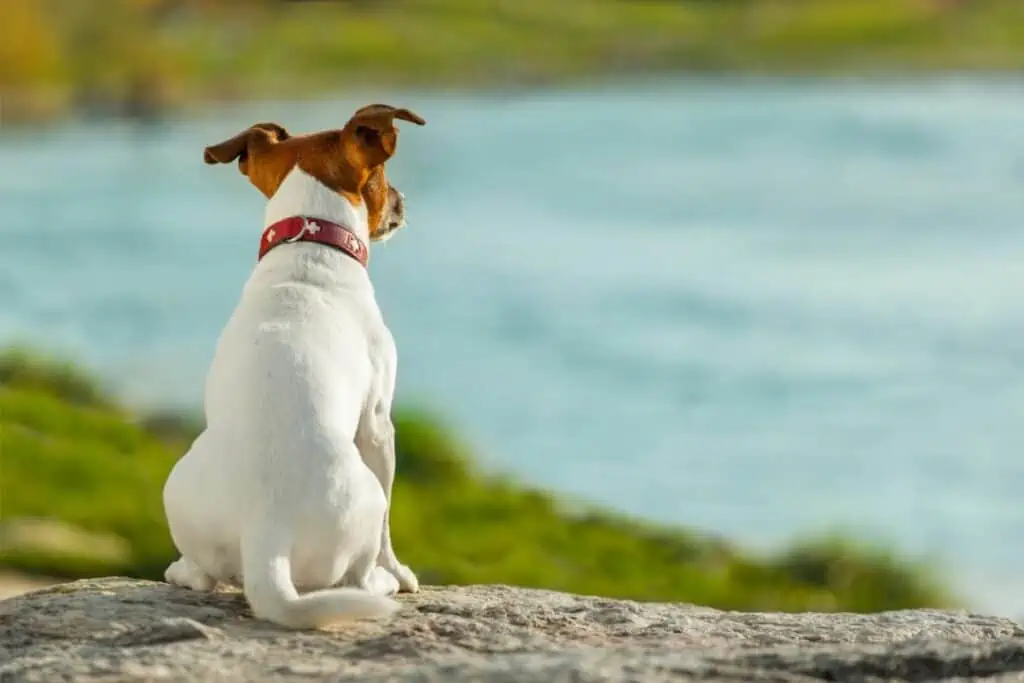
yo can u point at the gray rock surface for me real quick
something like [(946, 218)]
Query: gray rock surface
[(127, 630)]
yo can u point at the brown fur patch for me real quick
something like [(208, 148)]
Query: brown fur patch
[(349, 160)]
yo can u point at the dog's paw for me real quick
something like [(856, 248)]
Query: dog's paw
[(407, 581), (381, 582), (183, 573)]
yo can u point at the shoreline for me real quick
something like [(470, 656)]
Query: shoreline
[(13, 584), (145, 61), (18, 118)]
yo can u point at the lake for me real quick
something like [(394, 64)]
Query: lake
[(765, 309)]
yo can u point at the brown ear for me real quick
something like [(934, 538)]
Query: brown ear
[(258, 135), (373, 128)]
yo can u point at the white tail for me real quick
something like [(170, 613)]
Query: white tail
[(267, 577)]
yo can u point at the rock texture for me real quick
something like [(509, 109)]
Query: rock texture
[(127, 630)]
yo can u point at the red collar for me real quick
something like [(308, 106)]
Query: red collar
[(303, 229)]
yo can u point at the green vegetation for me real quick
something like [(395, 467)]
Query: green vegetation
[(70, 453), (136, 55)]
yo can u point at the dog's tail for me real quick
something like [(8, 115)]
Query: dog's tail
[(267, 579)]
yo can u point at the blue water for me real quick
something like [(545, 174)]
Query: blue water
[(762, 309)]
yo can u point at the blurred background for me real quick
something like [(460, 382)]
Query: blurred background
[(703, 300)]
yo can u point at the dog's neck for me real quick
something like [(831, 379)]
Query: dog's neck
[(300, 194)]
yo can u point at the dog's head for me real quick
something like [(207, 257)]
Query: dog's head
[(349, 161)]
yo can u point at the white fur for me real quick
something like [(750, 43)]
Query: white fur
[(288, 487), (302, 194)]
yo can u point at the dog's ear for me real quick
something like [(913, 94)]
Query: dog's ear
[(372, 130), (257, 136)]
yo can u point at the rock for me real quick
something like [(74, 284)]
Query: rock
[(128, 630)]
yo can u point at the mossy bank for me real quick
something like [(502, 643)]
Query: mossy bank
[(139, 57), (70, 453)]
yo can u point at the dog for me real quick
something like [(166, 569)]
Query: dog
[(287, 491)]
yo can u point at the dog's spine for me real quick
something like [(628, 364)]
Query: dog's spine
[(267, 581)]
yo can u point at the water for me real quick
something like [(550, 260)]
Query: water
[(761, 309)]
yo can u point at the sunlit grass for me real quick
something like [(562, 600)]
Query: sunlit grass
[(217, 49)]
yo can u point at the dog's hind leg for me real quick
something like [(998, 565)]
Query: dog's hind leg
[(183, 572)]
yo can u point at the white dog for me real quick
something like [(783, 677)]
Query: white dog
[(287, 491)]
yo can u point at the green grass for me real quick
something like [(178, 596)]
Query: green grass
[(57, 54), (68, 452)]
